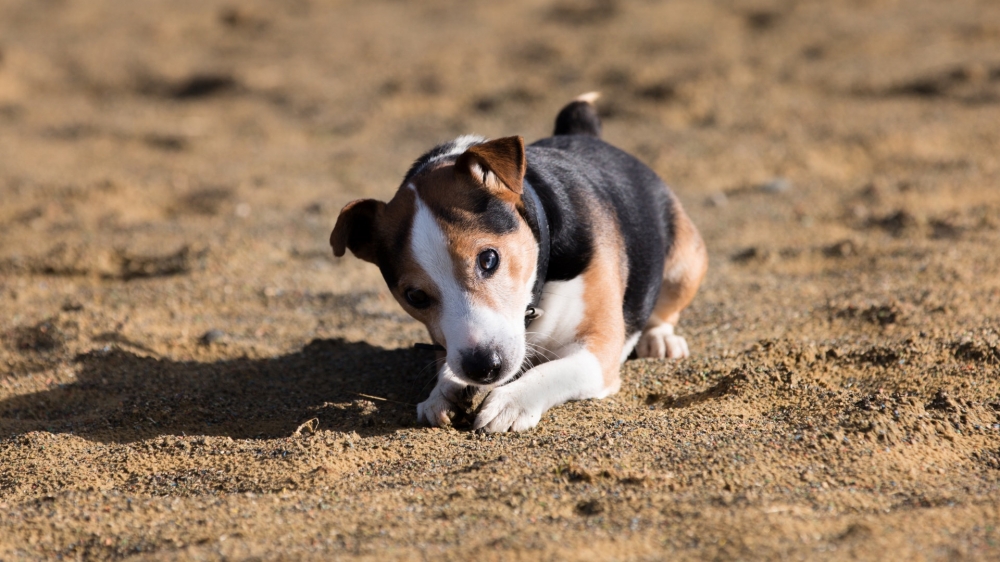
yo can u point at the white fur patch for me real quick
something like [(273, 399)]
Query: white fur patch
[(463, 324), (463, 143), (563, 306), (449, 150), (519, 405), (630, 345), (660, 341), (485, 177), (442, 404), (458, 146), (430, 249)]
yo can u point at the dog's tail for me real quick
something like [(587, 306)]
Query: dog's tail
[(579, 117)]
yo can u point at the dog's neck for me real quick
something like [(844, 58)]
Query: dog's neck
[(534, 214)]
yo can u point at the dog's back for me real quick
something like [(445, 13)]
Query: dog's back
[(574, 171)]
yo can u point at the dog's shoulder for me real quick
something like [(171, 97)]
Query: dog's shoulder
[(579, 175)]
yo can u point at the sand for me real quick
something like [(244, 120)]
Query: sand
[(187, 373)]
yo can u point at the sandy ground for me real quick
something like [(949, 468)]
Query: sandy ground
[(171, 318)]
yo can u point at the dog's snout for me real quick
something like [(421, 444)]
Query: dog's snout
[(482, 364)]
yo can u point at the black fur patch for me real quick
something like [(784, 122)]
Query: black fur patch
[(489, 214), (571, 240), (496, 217), (571, 173), (578, 118)]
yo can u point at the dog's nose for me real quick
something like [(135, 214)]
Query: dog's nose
[(482, 364)]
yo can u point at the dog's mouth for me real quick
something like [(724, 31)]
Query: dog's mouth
[(490, 381)]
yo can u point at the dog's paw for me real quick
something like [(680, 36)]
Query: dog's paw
[(660, 342), (504, 410), (437, 410)]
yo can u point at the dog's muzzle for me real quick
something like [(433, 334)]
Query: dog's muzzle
[(482, 364)]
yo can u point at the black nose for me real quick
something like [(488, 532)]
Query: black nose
[(482, 364)]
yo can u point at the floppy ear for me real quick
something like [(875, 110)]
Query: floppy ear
[(499, 165), (355, 229)]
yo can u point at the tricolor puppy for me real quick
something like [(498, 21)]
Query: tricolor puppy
[(484, 235)]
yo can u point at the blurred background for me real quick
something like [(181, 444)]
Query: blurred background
[(235, 131)]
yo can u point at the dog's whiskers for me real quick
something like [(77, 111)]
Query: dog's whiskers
[(541, 350), (435, 366)]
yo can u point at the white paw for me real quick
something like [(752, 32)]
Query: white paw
[(437, 410), (660, 342), (504, 410)]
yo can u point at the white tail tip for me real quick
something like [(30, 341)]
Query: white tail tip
[(589, 97)]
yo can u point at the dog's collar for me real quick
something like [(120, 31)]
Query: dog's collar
[(534, 214)]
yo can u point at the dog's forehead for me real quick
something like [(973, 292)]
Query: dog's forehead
[(461, 205), (464, 213)]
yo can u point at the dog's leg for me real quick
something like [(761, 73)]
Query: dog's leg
[(519, 405), (444, 401), (585, 367), (682, 274)]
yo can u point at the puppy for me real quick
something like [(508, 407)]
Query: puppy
[(536, 269)]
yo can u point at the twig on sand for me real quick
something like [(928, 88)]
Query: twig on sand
[(310, 425), (382, 399)]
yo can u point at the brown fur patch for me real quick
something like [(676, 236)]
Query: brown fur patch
[(457, 204), (477, 204), (499, 165), (602, 329), (471, 218), (355, 229), (683, 271)]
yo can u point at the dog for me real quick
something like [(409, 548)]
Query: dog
[(537, 270)]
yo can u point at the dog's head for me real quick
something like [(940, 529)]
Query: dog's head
[(456, 252)]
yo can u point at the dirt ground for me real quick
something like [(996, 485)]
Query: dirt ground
[(187, 373)]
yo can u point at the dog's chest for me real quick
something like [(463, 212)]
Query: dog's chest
[(563, 309)]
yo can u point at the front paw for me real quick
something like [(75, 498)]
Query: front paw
[(660, 342), (504, 410), (437, 410)]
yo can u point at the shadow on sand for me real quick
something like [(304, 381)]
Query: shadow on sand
[(123, 397)]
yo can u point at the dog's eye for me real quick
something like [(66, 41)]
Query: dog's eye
[(488, 261), (417, 298)]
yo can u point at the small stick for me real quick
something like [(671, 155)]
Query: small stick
[(382, 399)]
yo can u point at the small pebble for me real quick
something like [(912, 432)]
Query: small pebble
[(717, 199), (776, 185), (211, 336)]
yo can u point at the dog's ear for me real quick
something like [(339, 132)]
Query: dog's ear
[(355, 229), (499, 165)]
